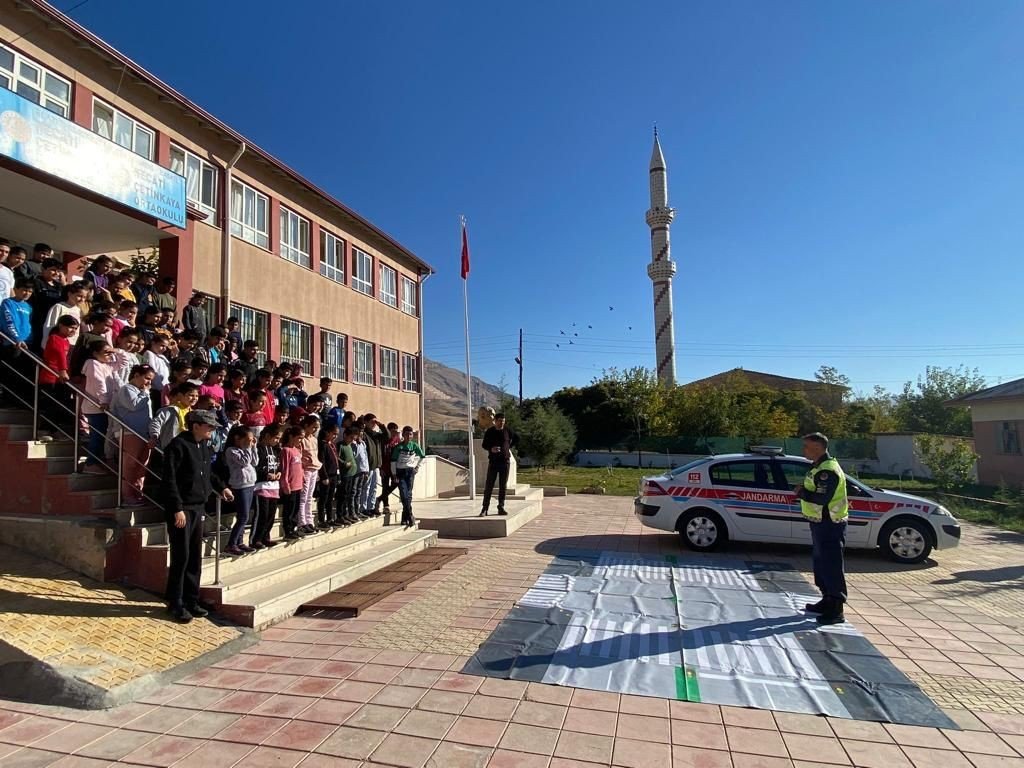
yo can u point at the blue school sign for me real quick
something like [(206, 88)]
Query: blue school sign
[(48, 142)]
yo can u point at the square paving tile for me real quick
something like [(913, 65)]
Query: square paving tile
[(590, 721), (116, 744), (584, 746), (163, 751), (691, 734), (816, 748), (749, 718), (451, 702), (404, 696), (629, 753), (354, 743), (505, 759), (476, 731), (29, 757), (529, 738), (811, 725), (509, 689), (492, 707), (860, 730), (72, 738), (355, 690), (218, 753), (602, 700), (376, 717), (868, 754), (643, 728), (271, 757), (404, 751), (31, 729), (331, 711), (431, 725), (923, 757), (301, 734), (536, 713), (756, 741), (700, 713), (981, 743), (695, 757), (549, 694)]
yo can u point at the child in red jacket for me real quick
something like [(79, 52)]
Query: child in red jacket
[(56, 406)]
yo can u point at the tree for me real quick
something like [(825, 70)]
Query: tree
[(951, 462), (880, 405), (922, 408), (548, 436), (837, 384), (639, 393)]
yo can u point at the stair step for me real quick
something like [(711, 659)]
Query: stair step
[(274, 602), (249, 573)]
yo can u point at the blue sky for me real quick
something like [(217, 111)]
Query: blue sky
[(847, 176)]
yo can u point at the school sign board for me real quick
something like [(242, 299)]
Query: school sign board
[(48, 142)]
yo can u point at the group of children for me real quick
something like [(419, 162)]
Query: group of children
[(276, 447)]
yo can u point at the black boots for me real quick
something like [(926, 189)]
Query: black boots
[(829, 611)]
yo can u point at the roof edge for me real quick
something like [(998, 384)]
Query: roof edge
[(42, 7)]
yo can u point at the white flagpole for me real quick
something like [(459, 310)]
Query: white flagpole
[(469, 375)]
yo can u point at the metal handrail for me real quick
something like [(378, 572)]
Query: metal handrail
[(80, 396)]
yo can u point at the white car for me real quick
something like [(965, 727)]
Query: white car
[(749, 497)]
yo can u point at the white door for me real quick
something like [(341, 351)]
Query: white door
[(755, 507)]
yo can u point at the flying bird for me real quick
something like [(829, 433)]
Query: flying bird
[(570, 341), (558, 345), (575, 334), (631, 327), (562, 332), (590, 327), (611, 309)]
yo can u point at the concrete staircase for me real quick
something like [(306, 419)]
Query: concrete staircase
[(51, 511), (454, 516), (264, 587)]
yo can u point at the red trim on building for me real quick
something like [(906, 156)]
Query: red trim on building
[(314, 246), (274, 337), (81, 106), (315, 351)]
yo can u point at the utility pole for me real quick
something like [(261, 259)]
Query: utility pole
[(519, 362)]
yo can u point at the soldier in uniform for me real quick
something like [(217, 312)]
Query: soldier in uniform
[(824, 503)]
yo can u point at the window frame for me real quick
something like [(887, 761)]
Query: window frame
[(366, 378), (291, 226), (770, 476), (359, 284), (15, 76), (382, 350), (331, 271), (1009, 428), (306, 363), (336, 372), (137, 126), (249, 317), (410, 308), (203, 164), (390, 299), (406, 378), (239, 227)]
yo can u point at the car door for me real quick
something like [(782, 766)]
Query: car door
[(792, 473), (746, 489), (789, 474)]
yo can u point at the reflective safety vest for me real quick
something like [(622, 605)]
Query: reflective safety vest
[(838, 507)]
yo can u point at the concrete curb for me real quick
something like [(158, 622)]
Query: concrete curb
[(27, 679)]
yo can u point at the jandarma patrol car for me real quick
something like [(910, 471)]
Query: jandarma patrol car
[(749, 497)]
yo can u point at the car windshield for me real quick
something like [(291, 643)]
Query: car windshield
[(692, 465)]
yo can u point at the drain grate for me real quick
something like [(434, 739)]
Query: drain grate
[(348, 601)]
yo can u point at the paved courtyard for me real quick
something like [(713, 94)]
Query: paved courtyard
[(385, 689)]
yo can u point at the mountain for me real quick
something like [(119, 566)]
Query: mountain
[(444, 395)]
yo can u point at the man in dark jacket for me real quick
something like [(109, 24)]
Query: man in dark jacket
[(188, 483), (247, 361), (499, 441)]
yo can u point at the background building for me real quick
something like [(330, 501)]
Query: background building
[(997, 419), (311, 280)]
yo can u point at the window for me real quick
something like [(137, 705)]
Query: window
[(388, 368), (410, 373), (362, 272), (388, 286), (362, 352), (294, 237), (113, 124), (1009, 438), (250, 217), (793, 472), (200, 179), (33, 82), (409, 296), (296, 343), (253, 326), (334, 355), (332, 256), (744, 474), (211, 308)]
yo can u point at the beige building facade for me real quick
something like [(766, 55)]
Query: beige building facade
[(997, 418), (310, 279)]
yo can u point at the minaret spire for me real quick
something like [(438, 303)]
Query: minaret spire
[(662, 269)]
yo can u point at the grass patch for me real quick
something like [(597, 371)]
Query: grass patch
[(624, 481)]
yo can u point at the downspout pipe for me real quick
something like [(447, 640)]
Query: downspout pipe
[(423, 370), (225, 240)]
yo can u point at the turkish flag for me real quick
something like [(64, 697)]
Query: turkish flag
[(465, 252)]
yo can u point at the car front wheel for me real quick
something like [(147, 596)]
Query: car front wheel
[(702, 530), (906, 541)]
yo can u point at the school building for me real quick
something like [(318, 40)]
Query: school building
[(97, 155)]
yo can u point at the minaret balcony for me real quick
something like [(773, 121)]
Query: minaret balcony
[(660, 217), (661, 270)]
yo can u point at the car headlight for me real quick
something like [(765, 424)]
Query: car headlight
[(941, 511)]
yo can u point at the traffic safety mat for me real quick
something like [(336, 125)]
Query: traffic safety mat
[(348, 601), (711, 629)]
